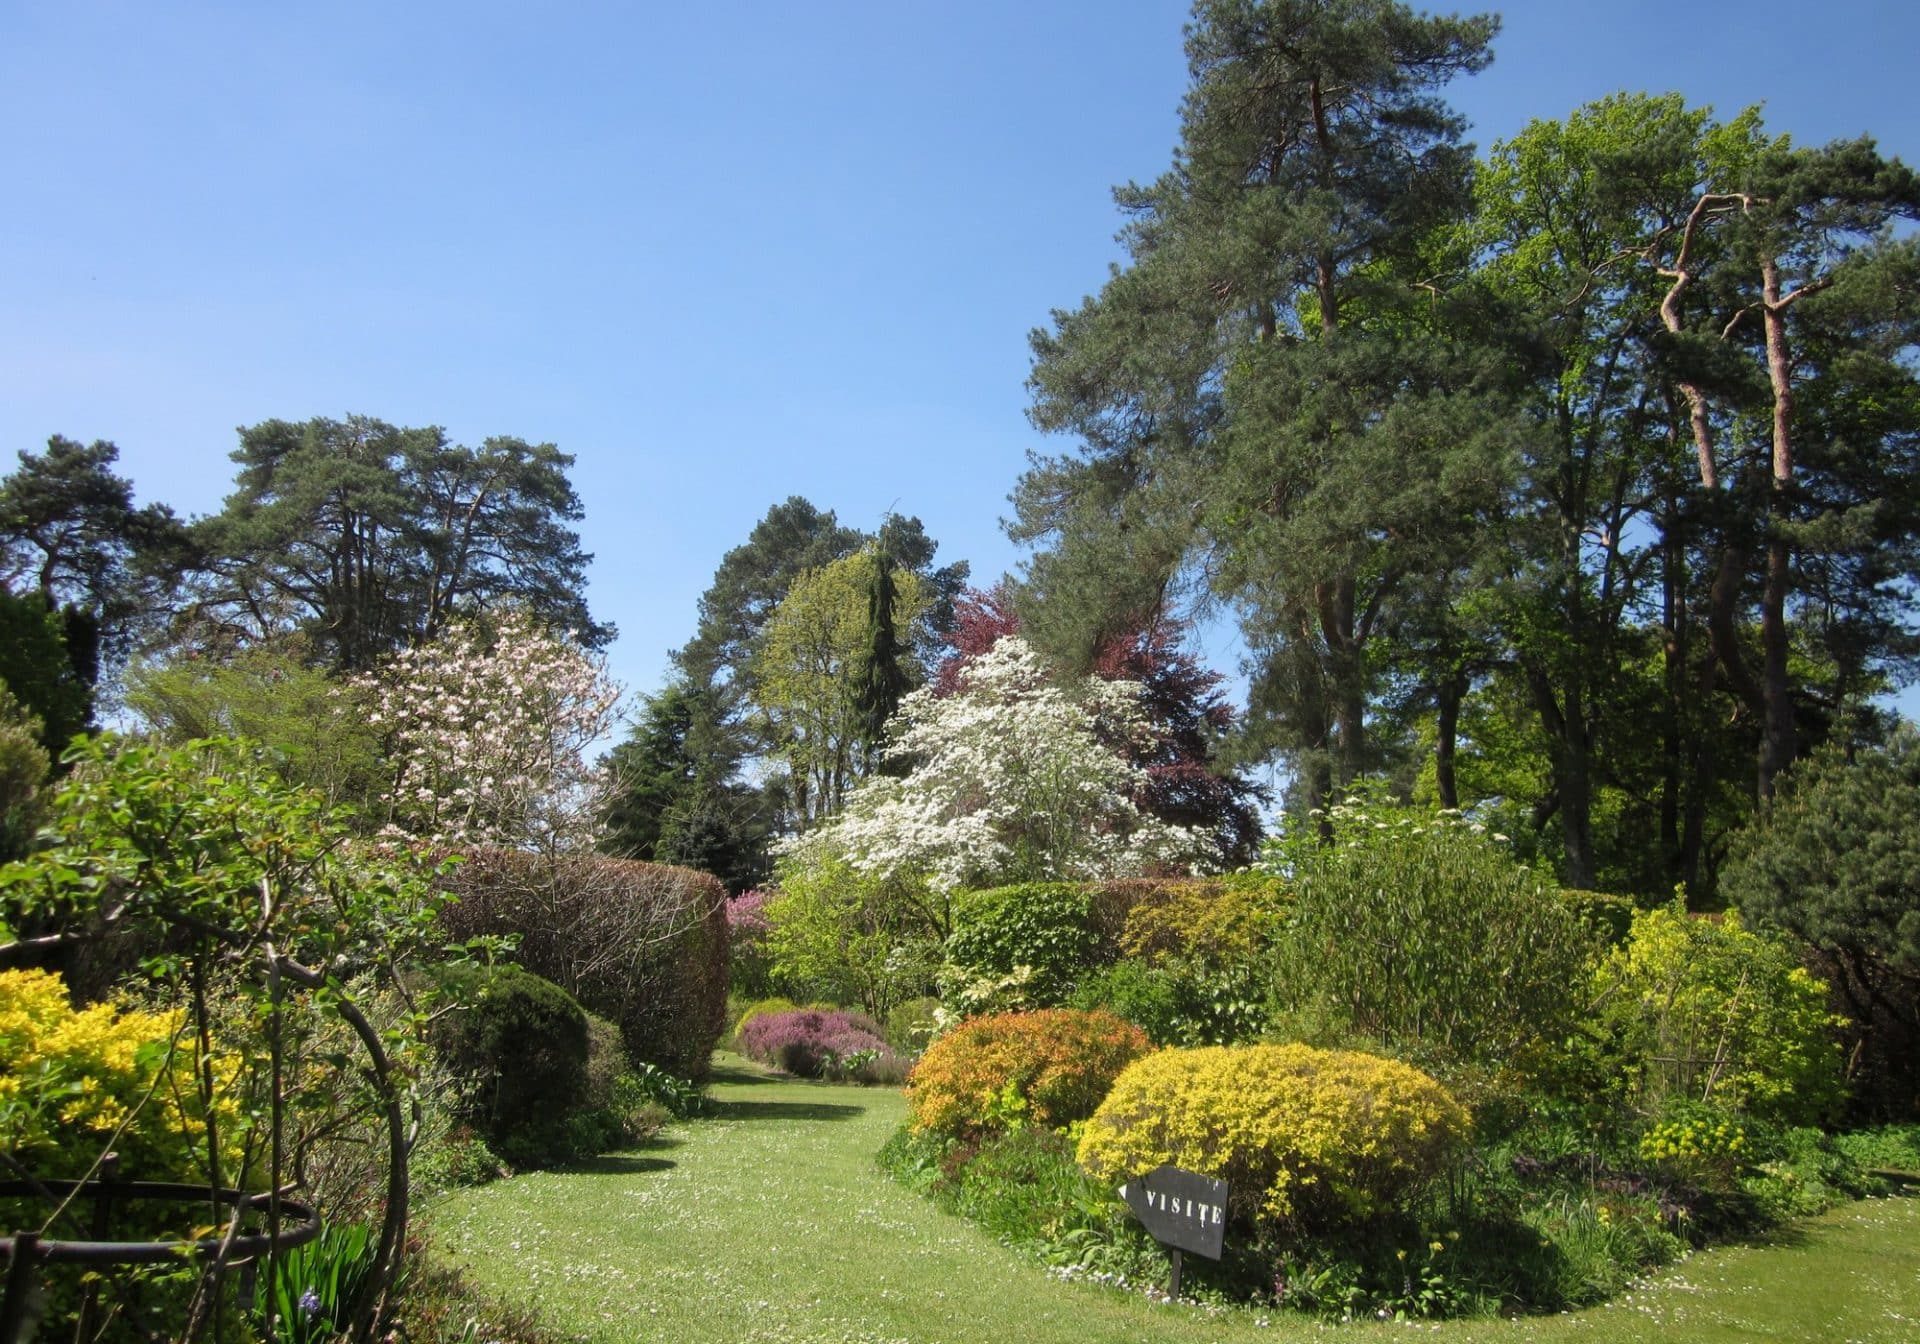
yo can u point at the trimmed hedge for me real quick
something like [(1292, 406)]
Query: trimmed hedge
[(1305, 1138), (641, 944), (1048, 1068)]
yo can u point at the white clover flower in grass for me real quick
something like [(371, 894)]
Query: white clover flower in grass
[(1010, 778)]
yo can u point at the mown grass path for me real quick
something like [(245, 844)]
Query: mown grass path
[(771, 1224)]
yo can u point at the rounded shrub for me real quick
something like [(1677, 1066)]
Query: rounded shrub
[(642, 944), (1047, 1068), (519, 1047), (1305, 1138)]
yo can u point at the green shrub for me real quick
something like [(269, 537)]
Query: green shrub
[(1304, 1138), (1047, 1068), (24, 767), (1181, 1001), (1834, 863), (1610, 917), (1417, 931), (1042, 926), (912, 1025), (1703, 1010), (519, 1047), (1887, 1148), (641, 944)]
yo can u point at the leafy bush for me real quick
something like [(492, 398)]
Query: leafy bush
[(1214, 920), (912, 1025), (1702, 1009), (1305, 1138), (1417, 931), (1043, 926), (1610, 917), (821, 1043), (519, 1046), (1888, 1148), (24, 767), (1185, 1001), (840, 933), (1047, 1068), (642, 945)]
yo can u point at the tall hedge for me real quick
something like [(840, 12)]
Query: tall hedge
[(641, 944)]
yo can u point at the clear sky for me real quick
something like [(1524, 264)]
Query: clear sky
[(721, 253)]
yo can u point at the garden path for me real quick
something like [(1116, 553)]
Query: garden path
[(769, 1224)]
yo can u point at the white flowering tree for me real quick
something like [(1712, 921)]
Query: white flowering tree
[(1011, 778), (488, 729)]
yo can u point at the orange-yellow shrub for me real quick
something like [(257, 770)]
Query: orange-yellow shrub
[(1303, 1137), (1045, 1068), (70, 1078)]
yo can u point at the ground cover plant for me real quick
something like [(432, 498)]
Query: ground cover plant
[(825, 1043)]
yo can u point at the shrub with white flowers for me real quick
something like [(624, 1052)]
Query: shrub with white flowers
[(1011, 778), (488, 729)]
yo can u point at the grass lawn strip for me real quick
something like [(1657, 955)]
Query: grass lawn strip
[(770, 1225)]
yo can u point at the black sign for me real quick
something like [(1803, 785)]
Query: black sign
[(1181, 1209)]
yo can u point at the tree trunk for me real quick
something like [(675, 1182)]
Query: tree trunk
[(1777, 747), (1452, 690)]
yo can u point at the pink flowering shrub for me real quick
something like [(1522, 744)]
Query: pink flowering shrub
[(822, 1043), (751, 969)]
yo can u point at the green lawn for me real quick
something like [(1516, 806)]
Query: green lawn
[(771, 1223)]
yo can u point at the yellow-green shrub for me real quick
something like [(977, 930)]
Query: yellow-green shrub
[(69, 1078), (1303, 1137), (1707, 1011), (1048, 1068), (1209, 920)]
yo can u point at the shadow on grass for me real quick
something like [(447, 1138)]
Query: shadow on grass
[(782, 1110), (618, 1164)]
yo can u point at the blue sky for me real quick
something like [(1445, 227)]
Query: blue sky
[(723, 254)]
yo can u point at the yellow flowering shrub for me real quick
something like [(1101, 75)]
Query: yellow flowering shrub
[(1708, 1150), (1303, 1137), (71, 1078)]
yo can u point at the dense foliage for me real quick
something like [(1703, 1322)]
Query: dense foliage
[(642, 945), (1704, 1010), (1304, 1138), (1046, 1068), (1421, 933), (1834, 864)]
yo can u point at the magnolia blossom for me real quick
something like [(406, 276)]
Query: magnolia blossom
[(489, 733), (1011, 777)]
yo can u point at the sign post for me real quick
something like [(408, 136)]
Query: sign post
[(1183, 1211)]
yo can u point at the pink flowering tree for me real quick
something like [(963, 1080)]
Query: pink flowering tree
[(488, 729)]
